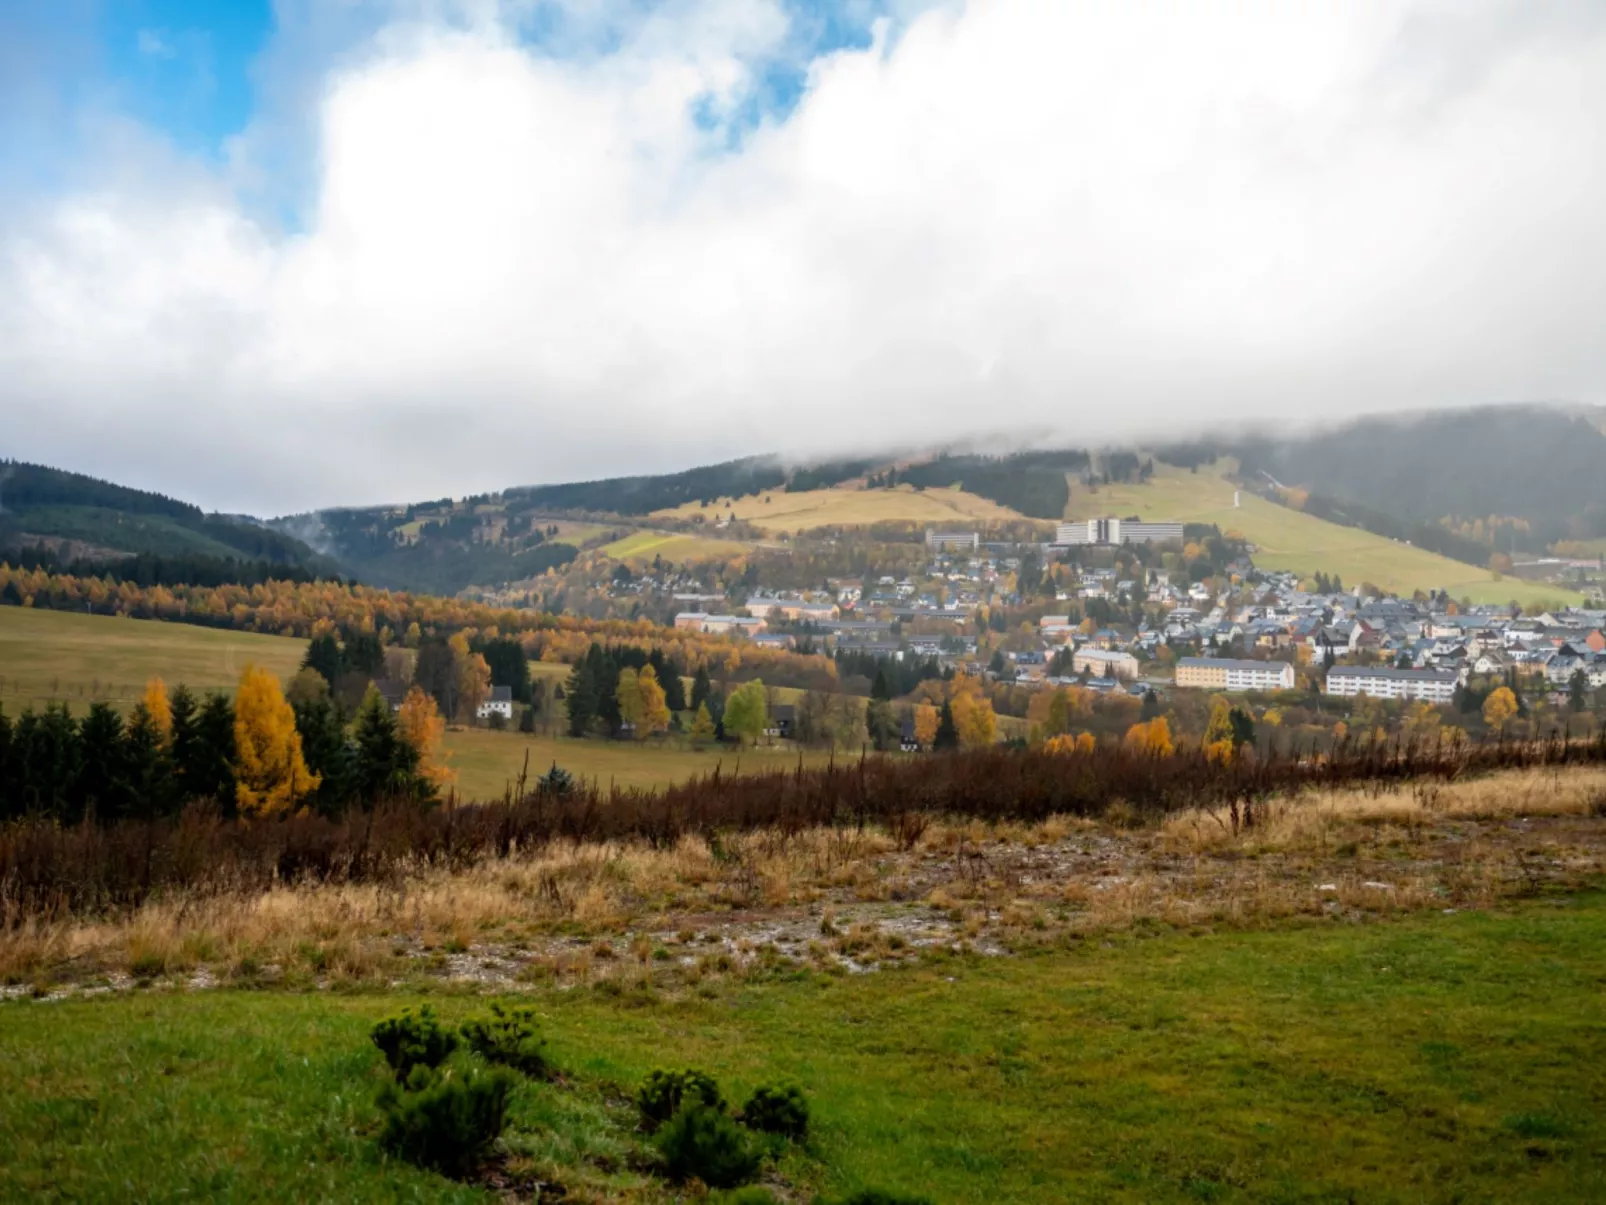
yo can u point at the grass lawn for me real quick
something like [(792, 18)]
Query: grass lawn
[(837, 507), (487, 761), (672, 546), (1437, 1058), (53, 656), (1290, 540)]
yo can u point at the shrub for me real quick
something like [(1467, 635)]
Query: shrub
[(702, 1141), (508, 1036), (445, 1122), (663, 1092), (413, 1040), (876, 1196), (780, 1110), (751, 1195)]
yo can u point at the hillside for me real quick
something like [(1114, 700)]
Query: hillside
[(84, 517), (1287, 539), (850, 507), (1543, 467)]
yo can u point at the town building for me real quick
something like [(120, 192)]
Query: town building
[(953, 541), (1102, 663), (499, 703), (1114, 532), (1230, 674), (1426, 685)]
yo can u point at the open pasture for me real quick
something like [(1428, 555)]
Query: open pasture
[(783, 512), (1287, 539)]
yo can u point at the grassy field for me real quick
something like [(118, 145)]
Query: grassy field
[(672, 546), (487, 762), (808, 509), (1289, 540), (1436, 1058), (61, 656)]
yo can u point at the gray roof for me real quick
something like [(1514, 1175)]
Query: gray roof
[(1379, 671)]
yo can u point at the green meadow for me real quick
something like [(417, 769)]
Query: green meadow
[(1436, 1058)]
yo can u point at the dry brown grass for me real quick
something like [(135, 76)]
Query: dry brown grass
[(1310, 820), (632, 914)]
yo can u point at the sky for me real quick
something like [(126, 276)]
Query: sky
[(284, 254)]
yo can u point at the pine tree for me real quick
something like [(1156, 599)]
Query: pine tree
[(101, 786), (208, 770), (323, 655), (181, 740), (879, 690), (328, 753), (386, 765), (149, 783), (580, 694), (700, 688), (947, 736)]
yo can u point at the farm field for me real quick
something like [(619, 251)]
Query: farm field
[(59, 656), (676, 547), (1432, 1058), (1289, 540), (488, 762), (839, 507)]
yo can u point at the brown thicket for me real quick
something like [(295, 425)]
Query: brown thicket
[(47, 869)]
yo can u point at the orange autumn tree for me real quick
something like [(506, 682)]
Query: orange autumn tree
[(271, 776), (1153, 737), (159, 709), (653, 716), (1082, 742), (421, 725), (974, 720), (927, 718)]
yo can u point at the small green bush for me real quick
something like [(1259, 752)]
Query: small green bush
[(445, 1122), (508, 1036), (751, 1195), (702, 1141), (663, 1092), (413, 1040), (781, 1110)]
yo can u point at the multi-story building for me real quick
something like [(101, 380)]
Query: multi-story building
[(1229, 674), (1101, 663), (1116, 531), (1427, 685), (953, 541)]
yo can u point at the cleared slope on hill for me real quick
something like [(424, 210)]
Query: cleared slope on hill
[(1286, 539), (847, 507)]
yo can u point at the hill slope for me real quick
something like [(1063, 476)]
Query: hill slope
[(1287, 539), (90, 517)]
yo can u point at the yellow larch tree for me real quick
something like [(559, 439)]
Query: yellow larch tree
[(159, 708), (927, 719), (654, 705), (421, 725), (271, 776)]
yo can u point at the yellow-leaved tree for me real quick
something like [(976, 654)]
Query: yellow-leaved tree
[(1218, 737), (974, 720), (702, 726), (1499, 707), (927, 718), (1082, 742), (271, 776), (422, 726), (1153, 737), (654, 715), (159, 709)]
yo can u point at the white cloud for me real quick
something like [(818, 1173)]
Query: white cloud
[(1013, 217), (154, 43)]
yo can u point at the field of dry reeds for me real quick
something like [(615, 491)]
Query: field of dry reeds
[(847, 867)]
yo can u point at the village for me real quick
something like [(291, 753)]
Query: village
[(1144, 608)]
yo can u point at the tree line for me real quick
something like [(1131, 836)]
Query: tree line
[(260, 754)]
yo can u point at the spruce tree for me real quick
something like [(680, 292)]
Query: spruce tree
[(327, 753), (100, 788), (150, 787), (386, 765), (323, 655), (879, 690), (700, 688), (580, 696), (947, 732), (207, 767)]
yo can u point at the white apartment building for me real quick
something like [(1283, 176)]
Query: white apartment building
[(1427, 685), (1100, 663), (1115, 531), (1230, 674)]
